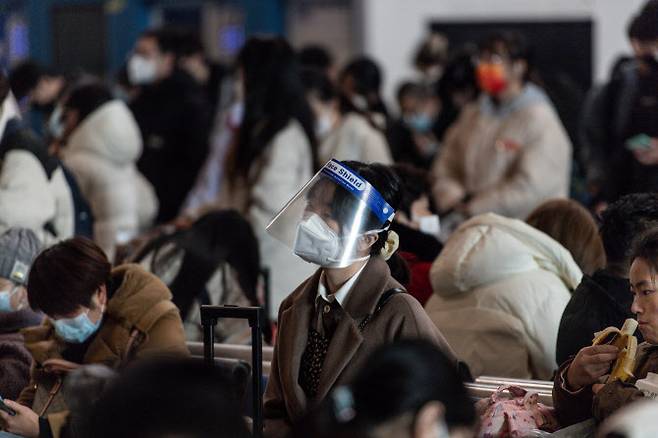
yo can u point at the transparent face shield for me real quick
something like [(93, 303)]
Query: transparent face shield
[(329, 221)]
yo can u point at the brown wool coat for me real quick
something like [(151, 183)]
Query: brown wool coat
[(401, 317), (141, 305), (572, 408)]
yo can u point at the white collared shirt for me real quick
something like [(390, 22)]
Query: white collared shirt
[(341, 294)]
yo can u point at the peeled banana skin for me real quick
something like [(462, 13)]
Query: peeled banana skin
[(624, 340), (625, 364)]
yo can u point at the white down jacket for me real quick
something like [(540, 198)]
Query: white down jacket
[(500, 287), (30, 195), (102, 152)]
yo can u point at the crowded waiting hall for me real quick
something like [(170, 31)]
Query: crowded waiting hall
[(328, 218)]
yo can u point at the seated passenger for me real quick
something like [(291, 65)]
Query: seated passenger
[(34, 192), (96, 314), (18, 247), (500, 286), (419, 229), (408, 389), (102, 144), (273, 155), (602, 300), (580, 391), (332, 322), (410, 136), (508, 152), (358, 134)]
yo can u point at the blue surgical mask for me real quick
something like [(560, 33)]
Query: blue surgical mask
[(419, 122), (76, 330), (5, 300), (55, 123)]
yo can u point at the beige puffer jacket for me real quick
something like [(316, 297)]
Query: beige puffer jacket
[(500, 287), (507, 159)]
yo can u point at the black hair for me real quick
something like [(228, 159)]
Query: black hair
[(644, 27), (177, 397), (633, 28), (4, 86), (432, 51), (459, 75), (623, 221), (316, 57), (88, 98), (217, 237), (169, 40), (367, 77), (512, 44), (397, 379), (646, 247), (66, 276), (190, 44), (273, 95), (24, 77), (414, 183), (317, 83), (409, 89)]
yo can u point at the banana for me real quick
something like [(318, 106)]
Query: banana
[(624, 340)]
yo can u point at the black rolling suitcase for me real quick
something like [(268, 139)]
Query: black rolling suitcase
[(255, 317)]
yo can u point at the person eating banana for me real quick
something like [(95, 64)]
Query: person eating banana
[(601, 378)]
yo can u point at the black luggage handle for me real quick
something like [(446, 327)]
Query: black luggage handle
[(209, 317)]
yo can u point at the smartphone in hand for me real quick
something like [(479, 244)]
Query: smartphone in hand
[(7, 409)]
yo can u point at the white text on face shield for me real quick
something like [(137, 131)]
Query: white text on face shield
[(347, 176)]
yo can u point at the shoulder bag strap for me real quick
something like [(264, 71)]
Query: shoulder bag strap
[(386, 296)]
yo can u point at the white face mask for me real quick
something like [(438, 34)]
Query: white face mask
[(360, 102), (317, 243), (141, 70), (429, 224), (323, 125)]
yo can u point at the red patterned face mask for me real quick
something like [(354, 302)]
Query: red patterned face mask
[(491, 77)]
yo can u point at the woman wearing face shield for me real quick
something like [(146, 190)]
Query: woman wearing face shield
[(96, 314), (332, 322)]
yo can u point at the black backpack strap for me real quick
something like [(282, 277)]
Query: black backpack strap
[(386, 296)]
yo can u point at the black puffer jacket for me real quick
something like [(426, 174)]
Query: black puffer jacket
[(600, 301)]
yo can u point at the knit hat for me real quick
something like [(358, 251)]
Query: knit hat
[(18, 249)]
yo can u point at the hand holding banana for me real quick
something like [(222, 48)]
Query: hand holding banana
[(610, 345)]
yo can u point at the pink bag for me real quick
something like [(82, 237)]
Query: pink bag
[(513, 412)]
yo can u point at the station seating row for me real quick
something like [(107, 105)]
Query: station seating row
[(231, 355)]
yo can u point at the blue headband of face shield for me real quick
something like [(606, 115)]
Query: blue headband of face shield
[(360, 189)]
